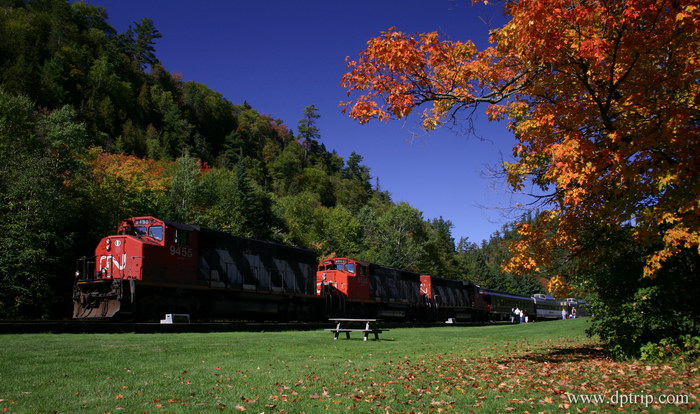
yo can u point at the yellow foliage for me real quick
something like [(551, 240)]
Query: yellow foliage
[(558, 287)]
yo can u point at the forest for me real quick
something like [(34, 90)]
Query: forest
[(93, 130)]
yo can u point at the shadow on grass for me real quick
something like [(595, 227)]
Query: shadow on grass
[(362, 340), (567, 354)]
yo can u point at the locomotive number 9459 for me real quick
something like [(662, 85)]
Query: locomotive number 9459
[(181, 251)]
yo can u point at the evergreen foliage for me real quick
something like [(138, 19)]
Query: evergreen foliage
[(483, 264), (38, 209)]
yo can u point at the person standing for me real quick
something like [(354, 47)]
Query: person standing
[(563, 313)]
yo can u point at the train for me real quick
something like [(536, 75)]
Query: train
[(153, 267)]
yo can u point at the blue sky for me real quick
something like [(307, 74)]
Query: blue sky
[(281, 56)]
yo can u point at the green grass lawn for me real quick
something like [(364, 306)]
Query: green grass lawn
[(449, 369)]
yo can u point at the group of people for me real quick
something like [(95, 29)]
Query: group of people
[(565, 314), (518, 316)]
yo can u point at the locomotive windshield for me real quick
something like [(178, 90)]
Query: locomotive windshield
[(156, 232), (338, 265)]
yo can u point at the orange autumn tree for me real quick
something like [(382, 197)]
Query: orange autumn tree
[(124, 185), (602, 96)]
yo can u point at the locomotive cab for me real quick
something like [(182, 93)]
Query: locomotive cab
[(343, 277), (121, 256), (143, 228)]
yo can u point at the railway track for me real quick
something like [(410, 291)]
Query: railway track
[(80, 326)]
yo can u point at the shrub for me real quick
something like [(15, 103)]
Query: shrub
[(686, 349), (632, 311)]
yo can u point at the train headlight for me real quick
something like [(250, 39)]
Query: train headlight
[(109, 245)]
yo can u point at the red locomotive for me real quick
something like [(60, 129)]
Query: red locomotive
[(153, 267)]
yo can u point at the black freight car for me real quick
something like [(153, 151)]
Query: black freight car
[(397, 290)]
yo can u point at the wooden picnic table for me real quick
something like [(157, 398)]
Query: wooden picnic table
[(348, 325)]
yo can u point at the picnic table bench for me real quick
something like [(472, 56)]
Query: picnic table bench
[(352, 325)]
